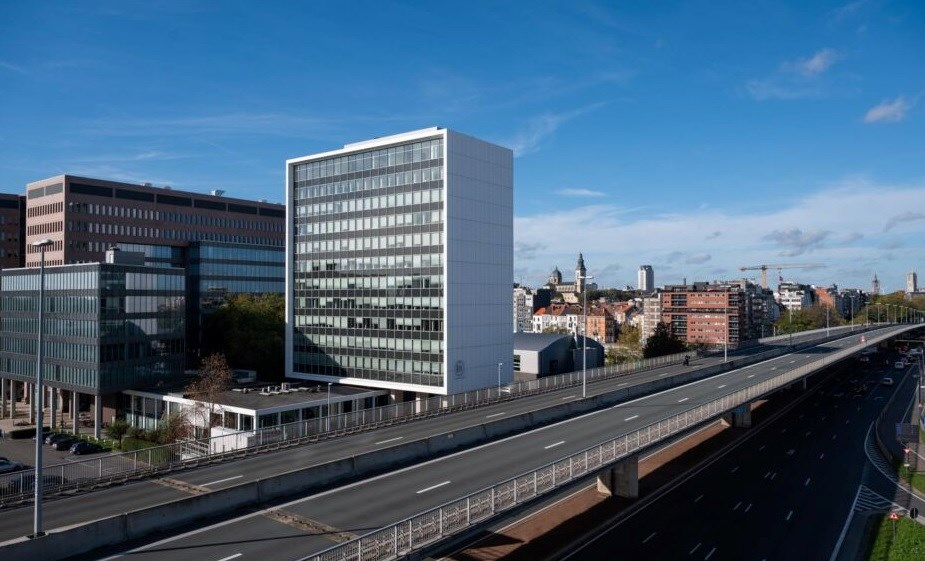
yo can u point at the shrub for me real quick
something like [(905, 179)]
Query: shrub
[(117, 429), (23, 433)]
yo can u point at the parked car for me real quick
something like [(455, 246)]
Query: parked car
[(63, 443), (55, 437), (6, 466), (84, 447), (887, 381)]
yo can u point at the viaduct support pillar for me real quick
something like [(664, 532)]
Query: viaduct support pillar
[(740, 417), (622, 480)]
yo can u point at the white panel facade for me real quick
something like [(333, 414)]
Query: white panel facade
[(479, 262)]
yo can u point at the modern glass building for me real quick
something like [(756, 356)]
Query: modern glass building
[(108, 326), (400, 262)]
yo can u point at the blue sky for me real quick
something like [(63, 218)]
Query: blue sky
[(694, 136)]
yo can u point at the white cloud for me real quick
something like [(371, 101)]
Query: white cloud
[(540, 128), (817, 64), (888, 111), (907, 216), (683, 244), (580, 193), (12, 67)]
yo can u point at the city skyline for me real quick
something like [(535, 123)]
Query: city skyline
[(697, 137)]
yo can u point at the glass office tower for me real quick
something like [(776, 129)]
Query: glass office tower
[(108, 326), (399, 263)]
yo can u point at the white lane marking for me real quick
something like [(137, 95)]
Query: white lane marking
[(623, 384), (789, 515), (665, 374), (682, 400), (631, 418), (709, 554), (738, 504), (495, 415), (762, 447), (432, 487), (847, 421), (553, 445), (806, 484), (698, 498), (809, 432), (652, 535), (721, 387), (696, 547), (823, 417), (389, 440), (791, 452), (568, 397), (822, 455), (735, 469), (767, 475), (222, 480), (792, 361), (773, 475), (834, 436), (230, 557), (750, 376), (749, 507)]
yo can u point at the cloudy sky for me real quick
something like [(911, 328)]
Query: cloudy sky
[(695, 136)]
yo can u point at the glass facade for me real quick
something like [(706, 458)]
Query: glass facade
[(108, 327), (216, 270), (368, 270)]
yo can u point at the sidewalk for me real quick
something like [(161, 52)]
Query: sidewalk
[(23, 450)]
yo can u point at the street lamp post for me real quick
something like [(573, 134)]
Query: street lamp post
[(826, 321), (584, 339), (328, 429), (499, 379), (39, 482)]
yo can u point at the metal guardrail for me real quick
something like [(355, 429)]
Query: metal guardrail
[(105, 470), (429, 527)]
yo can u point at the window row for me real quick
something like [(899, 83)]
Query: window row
[(381, 282), (368, 243), (354, 204), (83, 377), (367, 322), (381, 343), (373, 159), (47, 228), (194, 217), (369, 223), (372, 263), (42, 210), (373, 368), (371, 303)]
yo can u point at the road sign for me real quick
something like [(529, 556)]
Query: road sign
[(913, 513), (894, 516)]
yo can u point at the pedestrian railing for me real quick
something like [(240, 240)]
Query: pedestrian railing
[(427, 528), (104, 470)]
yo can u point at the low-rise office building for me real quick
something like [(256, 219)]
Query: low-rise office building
[(107, 327)]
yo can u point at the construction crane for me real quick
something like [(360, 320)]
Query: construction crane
[(779, 267)]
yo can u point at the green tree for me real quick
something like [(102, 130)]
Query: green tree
[(117, 429), (663, 342), (805, 319), (249, 329), (628, 345)]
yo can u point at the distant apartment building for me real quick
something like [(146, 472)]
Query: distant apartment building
[(794, 296), (84, 217), (645, 281), (651, 316), (601, 325), (12, 230), (526, 302), (829, 297), (558, 318), (704, 313), (853, 300), (400, 262)]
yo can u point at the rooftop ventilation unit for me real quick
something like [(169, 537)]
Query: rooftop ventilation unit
[(217, 192)]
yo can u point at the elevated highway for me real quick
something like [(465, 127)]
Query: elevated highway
[(551, 456)]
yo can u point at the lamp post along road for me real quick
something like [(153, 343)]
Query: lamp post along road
[(39, 482), (499, 379), (329, 408), (584, 339)]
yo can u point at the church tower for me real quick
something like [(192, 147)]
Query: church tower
[(555, 278), (580, 273), (875, 286)]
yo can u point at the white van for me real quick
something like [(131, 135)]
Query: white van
[(887, 381)]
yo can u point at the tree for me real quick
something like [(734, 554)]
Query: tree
[(174, 427), (555, 329), (117, 429), (805, 319), (249, 329), (628, 345), (214, 378), (663, 342)]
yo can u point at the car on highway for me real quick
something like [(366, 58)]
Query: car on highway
[(84, 447), (900, 364), (864, 358), (6, 466), (887, 381)]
